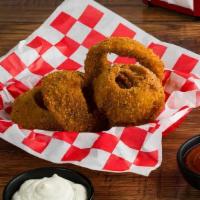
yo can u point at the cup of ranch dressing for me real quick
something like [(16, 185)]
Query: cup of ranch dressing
[(49, 184)]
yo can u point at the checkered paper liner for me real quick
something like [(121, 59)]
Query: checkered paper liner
[(62, 43)]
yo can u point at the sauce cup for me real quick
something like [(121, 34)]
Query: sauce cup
[(191, 177), (68, 174)]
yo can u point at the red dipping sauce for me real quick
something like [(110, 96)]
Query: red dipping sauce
[(192, 159)]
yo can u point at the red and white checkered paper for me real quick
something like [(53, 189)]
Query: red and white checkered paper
[(62, 43)]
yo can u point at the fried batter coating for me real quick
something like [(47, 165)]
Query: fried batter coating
[(73, 101), (29, 112), (128, 95), (96, 61), (64, 97)]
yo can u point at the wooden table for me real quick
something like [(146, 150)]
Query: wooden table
[(18, 18)]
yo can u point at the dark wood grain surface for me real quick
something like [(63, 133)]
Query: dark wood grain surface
[(18, 18)]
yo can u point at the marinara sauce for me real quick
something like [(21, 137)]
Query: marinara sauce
[(192, 159)]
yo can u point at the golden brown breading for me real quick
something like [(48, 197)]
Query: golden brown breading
[(128, 95), (123, 95), (64, 97), (29, 112), (96, 61)]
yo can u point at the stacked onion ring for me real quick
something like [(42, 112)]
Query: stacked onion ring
[(105, 96)]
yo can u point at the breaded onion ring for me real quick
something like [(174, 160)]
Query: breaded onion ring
[(63, 93), (96, 60), (29, 112), (128, 95)]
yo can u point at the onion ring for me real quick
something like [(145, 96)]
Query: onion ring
[(64, 97), (128, 95), (96, 60)]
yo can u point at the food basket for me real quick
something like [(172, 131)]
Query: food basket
[(190, 7)]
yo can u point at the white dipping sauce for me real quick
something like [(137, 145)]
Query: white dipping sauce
[(53, 188)]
